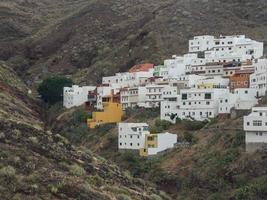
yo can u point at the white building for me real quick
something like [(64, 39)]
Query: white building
[(133, 96), (169, 109), (226, 48), (193, 104), (240, 99), (128, 79), (136, 136), (75, 95), (132, 135), (102, 92), (258, 79), (200, 104), (255, 126), (156, 143)]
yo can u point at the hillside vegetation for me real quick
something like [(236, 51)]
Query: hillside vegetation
[(38, 164), (210, 164)]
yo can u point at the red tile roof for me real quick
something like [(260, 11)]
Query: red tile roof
[(141, 67)]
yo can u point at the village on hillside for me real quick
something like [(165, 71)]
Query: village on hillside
[(219, 76)]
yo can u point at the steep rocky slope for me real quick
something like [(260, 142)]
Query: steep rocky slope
[(38, 164), (88, 39), (213, 166)]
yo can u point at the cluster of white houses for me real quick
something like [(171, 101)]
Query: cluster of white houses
[(217, 76)]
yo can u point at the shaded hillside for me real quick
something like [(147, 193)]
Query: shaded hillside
[(88, 39), (35, 164), (213, 166)]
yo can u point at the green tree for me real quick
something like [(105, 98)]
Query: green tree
[(51, 89)]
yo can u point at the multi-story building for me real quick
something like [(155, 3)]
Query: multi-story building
[(112, 113), (132, 135), (104, 91), (216, 82), (169, 109), (255, 126), (137, 75), (240, 99), (136, 136), (258, 79), (75, 95), (200, 104), (133, 96), (156, 143), (240, 79), (226, 48)]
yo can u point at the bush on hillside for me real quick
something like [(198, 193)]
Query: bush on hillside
[(160, 126), (76, 170), (81, 116), (194, 125), (51, 89), (190, 138)]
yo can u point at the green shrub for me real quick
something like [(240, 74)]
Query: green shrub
[(190, 137), (155, 197), (76, 170), (194, 125), (96, 180), (51, 89), (142, 114), (161, 125), (34, 140), (7, 172), (123, 197), (81, 116), (239, 139)]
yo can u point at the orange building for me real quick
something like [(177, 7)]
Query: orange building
[(240, 79), (141, 68)]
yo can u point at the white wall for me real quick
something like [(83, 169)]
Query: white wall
[(132, 135), (165, 141), (75, 95)]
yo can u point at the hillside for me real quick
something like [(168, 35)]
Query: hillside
[(88, 39), (213, 166), (38, 164)]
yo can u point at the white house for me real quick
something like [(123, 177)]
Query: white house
[(226, 48), (132, 135), (258, 79), (156, 143), (136, 136), (255, 126), (133, 96), (75, 95), (240, 99), (169, 109), (128, 79), (103, 91)]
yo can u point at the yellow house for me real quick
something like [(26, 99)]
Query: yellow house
[(151, 141), (112, 114)]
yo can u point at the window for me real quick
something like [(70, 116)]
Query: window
[(131, 144), (207, 103), (257, 123), (184, 96), (207, 95), (120, 144), (260, 113), (210, 113), (138, 144)]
